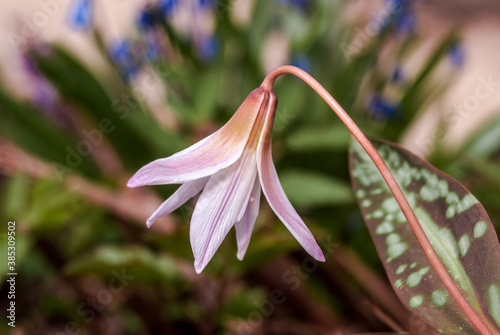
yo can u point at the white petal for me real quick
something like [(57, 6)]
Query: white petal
[(244, 227), (209, 155), (276, 196), (221, 204), (184, 193)]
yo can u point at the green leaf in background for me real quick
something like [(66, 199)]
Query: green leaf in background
[(455, 223), (23, 247), (47, 199), (334, 137), (139, 262), (132, 132), (312, 189), (16, 196), (206, 95), (27, 127), (485, 142)]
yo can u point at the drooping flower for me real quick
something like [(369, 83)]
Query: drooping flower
[(229, 168)]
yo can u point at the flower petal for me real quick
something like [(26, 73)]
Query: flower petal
[(274, 191), (209, 155), (222, 203), (183, 194), (244, 227)]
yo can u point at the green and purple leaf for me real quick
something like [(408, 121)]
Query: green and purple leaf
[(455, 223)]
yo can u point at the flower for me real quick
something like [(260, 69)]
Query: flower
[(397, 75), (80, 14), (302, 62), (39, 89), (207, 46), (300, 4), (229, 168), (405, 22), (457, 54), (127, 56), (149, 17), (381, 108), (206, 4), (167, 7), (402, 17)]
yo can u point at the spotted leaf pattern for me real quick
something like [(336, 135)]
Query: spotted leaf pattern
[(455, 223)]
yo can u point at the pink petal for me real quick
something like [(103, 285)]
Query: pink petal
[(183, 194), (244, 227), (222, 203), (209, 155), (274, 192)]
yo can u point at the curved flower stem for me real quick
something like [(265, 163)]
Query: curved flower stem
[(475, 319)]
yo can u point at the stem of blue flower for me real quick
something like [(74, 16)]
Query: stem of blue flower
[(481, 324)]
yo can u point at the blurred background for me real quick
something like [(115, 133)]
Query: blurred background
[(91, 90)]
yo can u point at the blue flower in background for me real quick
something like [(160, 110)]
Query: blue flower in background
[(402, 16), (127, 57), (41, 92), (405, 22), (153, 46), (301, 62), (397, 74), (206, 4), (207, 47), (148, 18), (167, 7), (301, 4), (381, 108), (457, 54), (397, 5), (80, 14)]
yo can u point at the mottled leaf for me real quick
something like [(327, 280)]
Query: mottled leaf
[(455, 223)]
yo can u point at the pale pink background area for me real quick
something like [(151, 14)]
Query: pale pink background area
[(480, 21)]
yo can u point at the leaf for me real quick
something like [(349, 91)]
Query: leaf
[(312, 189), (139, 262), (206, 96), (119, 117), (16, 196), (485, 142), (28, 128), (24, 244), (332, 138), (455, 223)]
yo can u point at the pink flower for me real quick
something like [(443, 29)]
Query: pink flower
[(229, 168)]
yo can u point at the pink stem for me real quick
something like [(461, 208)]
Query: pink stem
[(436, 263)]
